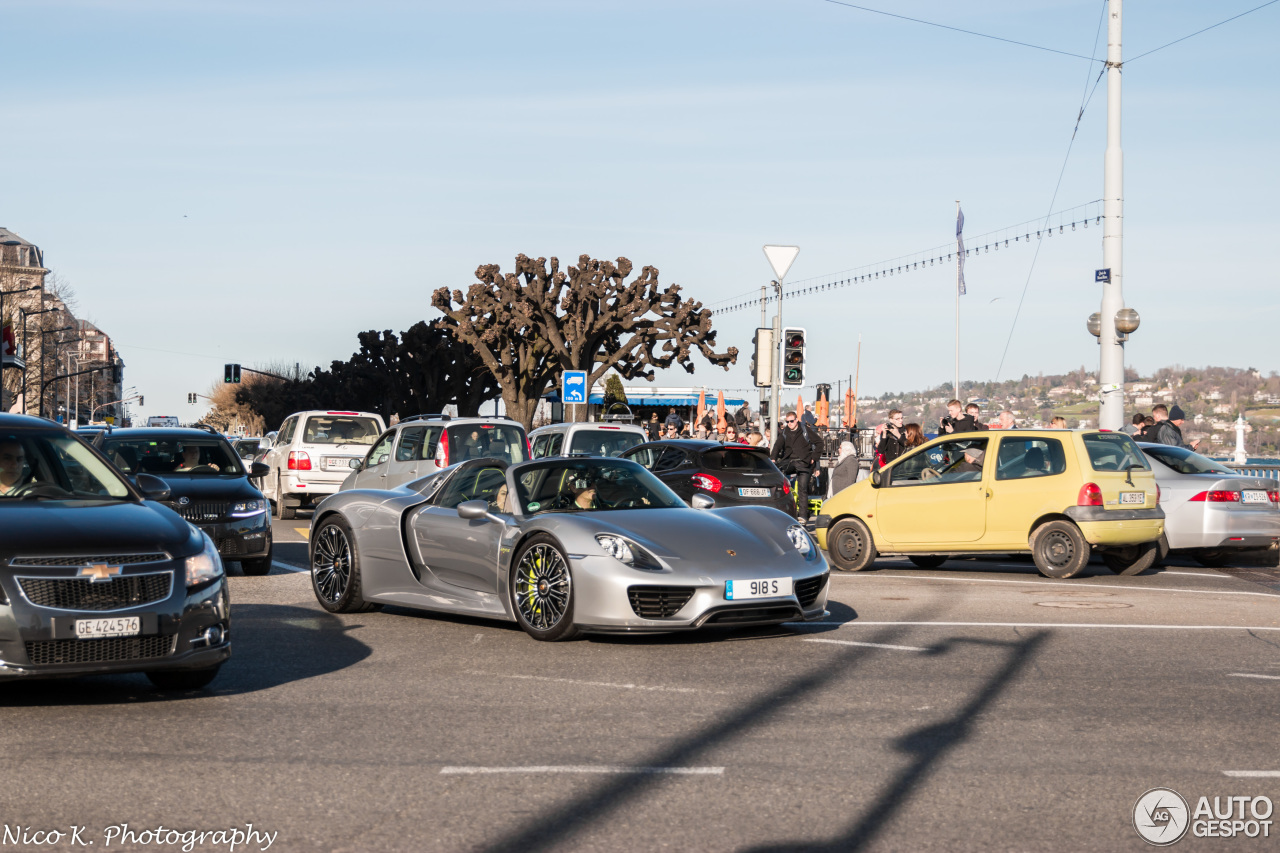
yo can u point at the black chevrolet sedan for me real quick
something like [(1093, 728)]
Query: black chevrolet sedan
[(208, 484), (96, 576), (731, 474)]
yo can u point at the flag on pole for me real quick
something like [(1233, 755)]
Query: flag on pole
[(960, 247)]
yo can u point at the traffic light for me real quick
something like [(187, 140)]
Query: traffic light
[(231, 373), (142, 401), (191, 398), (793, 356), (115, 374), (762, 359)]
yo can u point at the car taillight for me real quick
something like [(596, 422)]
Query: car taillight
[(528, 448), (1090, 495), (299, 461), (1216, 497), (707, 482), (786, 487), (1157, 494), (1274, 494), (442, 451)]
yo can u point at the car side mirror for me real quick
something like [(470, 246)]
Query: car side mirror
[(477, 509), (152, 487), (876, 479), (259, 469), (701, 501), (357, 464)]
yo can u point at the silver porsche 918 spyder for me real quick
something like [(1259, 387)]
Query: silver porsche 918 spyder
[(562, 546)]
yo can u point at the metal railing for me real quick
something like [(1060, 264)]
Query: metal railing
[(1265, 470)]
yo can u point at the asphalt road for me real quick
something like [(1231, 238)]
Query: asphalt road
[(973, 707)]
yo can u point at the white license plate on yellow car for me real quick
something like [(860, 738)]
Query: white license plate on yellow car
[(120, 626), (1133, 497), (767, 588)]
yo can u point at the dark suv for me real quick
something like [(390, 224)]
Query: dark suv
[(731, 474), (208, 484)]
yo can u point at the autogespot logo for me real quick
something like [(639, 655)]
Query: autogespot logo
[(1161, 816)]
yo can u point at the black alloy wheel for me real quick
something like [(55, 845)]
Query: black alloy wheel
[(335, 568), (542, 590)]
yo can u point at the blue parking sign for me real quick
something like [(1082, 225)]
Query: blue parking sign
[(574, 387)]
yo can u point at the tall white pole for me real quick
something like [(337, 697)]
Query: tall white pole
[(959, 267), (1111, 348), (775, 405)]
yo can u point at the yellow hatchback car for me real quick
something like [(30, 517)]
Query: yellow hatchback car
[(1058, 495)]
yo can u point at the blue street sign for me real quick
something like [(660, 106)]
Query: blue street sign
[(574, 387), (1103, 276)]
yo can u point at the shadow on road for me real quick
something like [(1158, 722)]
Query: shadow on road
[(271, 645)]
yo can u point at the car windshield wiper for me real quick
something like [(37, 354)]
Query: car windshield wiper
[(1128, 472)]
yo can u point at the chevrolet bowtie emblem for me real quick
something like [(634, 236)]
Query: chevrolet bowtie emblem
[(99, 572), (731, 552)]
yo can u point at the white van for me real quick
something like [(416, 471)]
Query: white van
[(313, 453), (585, 439), (162, 421)]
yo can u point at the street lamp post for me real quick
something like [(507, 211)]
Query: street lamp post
[(44, 332), (25, 314)]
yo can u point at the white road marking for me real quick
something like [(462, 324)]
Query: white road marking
[(1076, 584), (1252, 774), (585, 768), (612, 684), (287, 567), (1251, 675), (869, 645), (1047, 625)]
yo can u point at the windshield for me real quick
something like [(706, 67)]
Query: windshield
[(477, 441), (603, 442), (53, 466), (1185, 461), (591, 485), (1114, 451), (162, 456), (340, 429)]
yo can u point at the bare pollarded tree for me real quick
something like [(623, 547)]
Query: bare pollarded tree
[(530, 325)]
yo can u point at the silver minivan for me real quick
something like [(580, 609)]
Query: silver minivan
[(419, 446), (585, 439)]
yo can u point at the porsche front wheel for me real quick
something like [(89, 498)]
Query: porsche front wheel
[(335, 568), (542, 590)]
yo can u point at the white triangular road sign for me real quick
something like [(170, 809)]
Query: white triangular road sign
[(781, 258)]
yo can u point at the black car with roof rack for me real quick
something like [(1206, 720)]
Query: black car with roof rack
[(96, 575), (208, 483)]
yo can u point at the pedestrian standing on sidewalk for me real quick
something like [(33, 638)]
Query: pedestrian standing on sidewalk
[(956, 421), (1007, 420), (974, 411), (1135, 426), (1165, 430), (845, 474), (796, 452), (892, 440), (653, 429), (1178, 418)]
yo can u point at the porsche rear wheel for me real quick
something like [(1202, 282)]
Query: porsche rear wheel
[(542, 590), (335, 568)]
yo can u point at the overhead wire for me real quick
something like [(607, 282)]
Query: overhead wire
[(1085, 98), (1198, 32), (962, 30)]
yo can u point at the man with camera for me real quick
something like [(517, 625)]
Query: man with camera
[(796, 452), (956, 420)]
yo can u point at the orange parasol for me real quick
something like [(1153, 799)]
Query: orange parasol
[(848, 408), (702, 407), (721, 423), (799, 406)]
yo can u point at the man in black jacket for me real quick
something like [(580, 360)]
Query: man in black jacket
[(956, 421), (796, 452), (892, 439), (674, 420)]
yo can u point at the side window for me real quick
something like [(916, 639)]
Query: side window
[(957, 461), (540, 445), (286, 432), (557, 442), (1020, 458), (644, 456), (430, 442), (381, 451), (671, 459), (410, 446), (470, 485)]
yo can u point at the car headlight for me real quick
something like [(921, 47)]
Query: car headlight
[(628, 553), (244, 509), (205, 566), (800, 539)]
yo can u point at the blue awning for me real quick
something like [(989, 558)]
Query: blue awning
[(598, 399)]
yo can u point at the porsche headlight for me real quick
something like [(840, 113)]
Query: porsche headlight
[(244, 509), (800, 539), (205, 566), (618, 548)]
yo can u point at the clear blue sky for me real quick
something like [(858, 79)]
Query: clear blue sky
[(259, 181)]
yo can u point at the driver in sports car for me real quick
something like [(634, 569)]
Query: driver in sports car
[(581, 495), (13, 462)]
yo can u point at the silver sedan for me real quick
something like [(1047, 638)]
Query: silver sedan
[(562, 546), (1212, 512)]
